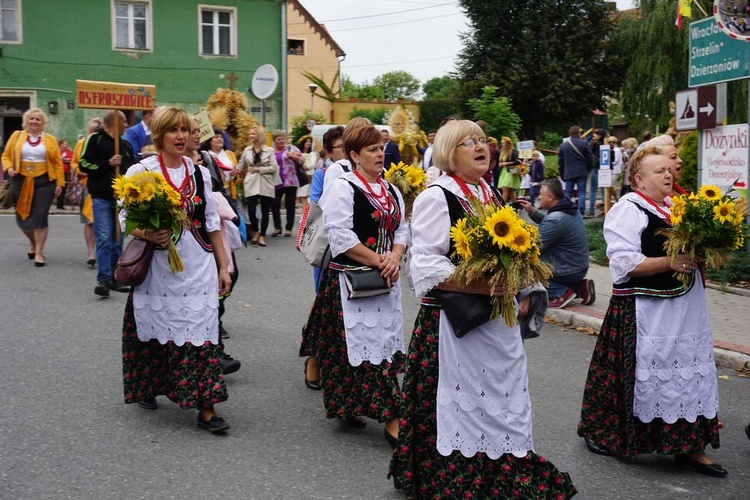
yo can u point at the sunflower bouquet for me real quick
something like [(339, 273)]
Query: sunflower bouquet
[(151, 203), (495, 243), (707, 226), (523, 169), (409, 179)]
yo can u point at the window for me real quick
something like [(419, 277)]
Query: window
[(10, 21), (217, 31), (296, 47), (132, 25)]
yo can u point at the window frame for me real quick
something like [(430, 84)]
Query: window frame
[(19, 27), (233, 28), (303, 43), (149, 25)]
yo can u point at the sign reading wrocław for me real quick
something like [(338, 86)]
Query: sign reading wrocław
[(715, 57), (108, 95)]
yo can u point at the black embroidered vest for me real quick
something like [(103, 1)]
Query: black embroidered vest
[(664, 284), (372, 225), (195, 206)]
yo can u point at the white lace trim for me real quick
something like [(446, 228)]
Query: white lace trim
[(374, 326), (483, 402), (428, 271), (341, 240), (621, 267)]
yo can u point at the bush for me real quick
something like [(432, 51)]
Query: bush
[(597, 245), (737, 269), (374, 115), (689, 155)]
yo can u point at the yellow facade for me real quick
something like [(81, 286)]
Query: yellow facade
[(312, 49), (342, 109)]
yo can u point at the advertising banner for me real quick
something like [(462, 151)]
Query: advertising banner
[(724, 157)]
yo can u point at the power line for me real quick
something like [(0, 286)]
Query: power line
[(411, 21), (399, 62), (387, 13)]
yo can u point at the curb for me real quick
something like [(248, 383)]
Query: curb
[(726, 358)]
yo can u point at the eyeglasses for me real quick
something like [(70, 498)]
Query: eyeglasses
[(470, 143)]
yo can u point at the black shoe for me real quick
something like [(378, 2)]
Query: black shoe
[(228, 364), (222, 332), (39, 264), (596, 448), (91, 262), (314, 385), (215, 424), (713, 470), (113, 285), (148, 403), (356, 422), (392, 441), (587, 292), (102, 290), (30, 255)]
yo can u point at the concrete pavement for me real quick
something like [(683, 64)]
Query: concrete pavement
[(727, 305)]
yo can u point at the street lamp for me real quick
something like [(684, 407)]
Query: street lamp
[(312, 88)]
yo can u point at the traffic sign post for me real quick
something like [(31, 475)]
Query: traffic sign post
[(701, 108), (714, 56)]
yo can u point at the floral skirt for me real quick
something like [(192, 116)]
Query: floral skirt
[(366, 390), (607, 410), (425, 473), (188, 375)]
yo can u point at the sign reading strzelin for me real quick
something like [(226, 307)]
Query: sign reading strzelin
[(108, 95)]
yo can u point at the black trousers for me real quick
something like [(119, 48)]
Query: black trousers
[(289, 193), (252, 212)]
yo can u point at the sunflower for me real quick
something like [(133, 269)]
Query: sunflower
[(675, 219), (724, 211), (131, 193), (460, 239), (415, 176), (521, 240), (522, 170), (501, 225), (678, 206), (148, 191), (119, 186), (710, 192)]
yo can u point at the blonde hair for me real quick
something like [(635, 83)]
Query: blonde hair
[(165, 120), (260, 131), (662, 140), (636, 161), (30, 112), (447, 139), (630, 142)]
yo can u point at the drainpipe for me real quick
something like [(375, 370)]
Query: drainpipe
[(283, 65)]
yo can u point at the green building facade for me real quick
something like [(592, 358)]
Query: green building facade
[(186, 48)]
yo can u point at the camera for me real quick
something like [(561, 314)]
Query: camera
[(516, 205)]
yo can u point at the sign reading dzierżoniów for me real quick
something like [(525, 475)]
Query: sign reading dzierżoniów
[(714, 56)]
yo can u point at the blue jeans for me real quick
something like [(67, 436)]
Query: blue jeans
[(559, 284), (533, 193), (107, 249), (580, 183), (592, 191)]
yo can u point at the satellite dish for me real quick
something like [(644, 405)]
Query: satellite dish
[(265, 80)]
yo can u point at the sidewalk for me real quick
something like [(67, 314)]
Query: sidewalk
[(729, 317)]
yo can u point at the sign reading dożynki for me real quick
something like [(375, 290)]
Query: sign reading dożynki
[(714, 56)]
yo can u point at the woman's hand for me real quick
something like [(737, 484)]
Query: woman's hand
[(683, 264), (523, 306), (225, 282), (254, 170), (58, 191), (12, 172), (390, 265), (159, 237)]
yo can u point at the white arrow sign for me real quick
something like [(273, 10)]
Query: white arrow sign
[(708, 109)]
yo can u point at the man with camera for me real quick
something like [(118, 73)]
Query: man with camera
[(564, 245)]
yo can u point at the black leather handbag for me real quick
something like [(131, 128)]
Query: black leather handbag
[(362, 282), (465, 311)]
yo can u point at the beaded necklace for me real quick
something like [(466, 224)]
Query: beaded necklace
[(35, 143), (664, 213), (486, 195), (165, 173), (385, 200)]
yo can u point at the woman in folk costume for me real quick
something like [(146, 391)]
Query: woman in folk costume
[(224, 159), (466, 411), (356, 340), (171, 326), (652, 382), (32, 161)]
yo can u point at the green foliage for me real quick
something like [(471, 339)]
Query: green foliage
[(497, 112), (737, 269), (374, 115), (433, 111), (397, 85), (551, 169), (325, 90), (360, 91), (442, 87), (299, 124), (551, 58), (550, 140), (597, 245), (689, 154)]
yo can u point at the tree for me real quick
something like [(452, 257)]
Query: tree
[(374, 115), (299, 124), (397, 85), (360, 91), (441, 87), (497, 112), (325, 90), (550, 58)]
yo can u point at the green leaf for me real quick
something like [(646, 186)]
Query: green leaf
[(130, 226), (505, 258), (154, 219)]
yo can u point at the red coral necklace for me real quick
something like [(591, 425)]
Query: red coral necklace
[(665, 214), (35, 143), (385, 200), (486, 195), (165, 173)]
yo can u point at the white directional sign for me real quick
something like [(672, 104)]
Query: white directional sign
[(686, 110)]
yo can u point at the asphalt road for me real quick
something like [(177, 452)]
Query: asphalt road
[(65, 432)]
